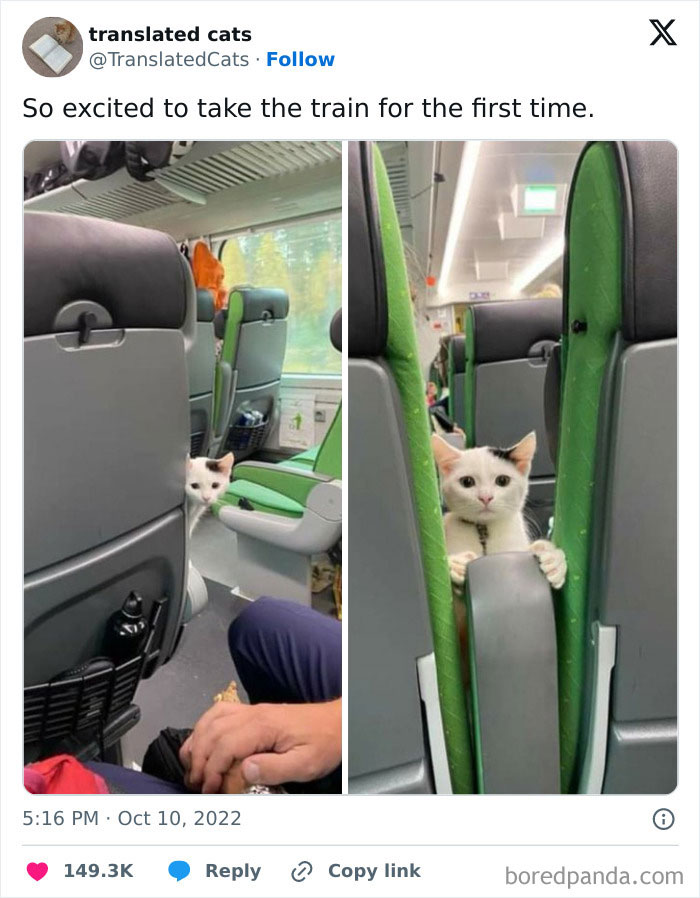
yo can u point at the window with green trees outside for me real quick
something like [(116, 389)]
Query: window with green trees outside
[(305, 259)]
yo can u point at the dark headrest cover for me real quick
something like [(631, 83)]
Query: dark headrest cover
[(220, 324), (337, 330), (649, 176), (205, 305), (368, 323), (136, 274), (263, 302), (552, 401), (457, 352), (507, 330)]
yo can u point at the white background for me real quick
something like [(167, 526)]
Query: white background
[(596, 52)]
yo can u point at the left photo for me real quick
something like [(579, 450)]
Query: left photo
[(182, 467)]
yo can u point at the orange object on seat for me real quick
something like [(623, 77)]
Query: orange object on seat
[(209, 273)]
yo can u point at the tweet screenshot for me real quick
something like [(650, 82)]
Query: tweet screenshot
[(349, 459)]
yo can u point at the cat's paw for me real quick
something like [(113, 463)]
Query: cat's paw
[(458, 566), (552, 561)]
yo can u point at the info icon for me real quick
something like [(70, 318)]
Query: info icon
[(663, 818)]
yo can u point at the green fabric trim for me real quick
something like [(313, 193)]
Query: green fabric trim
[(402, 356), (307, 458), (329, 460), (233, 327), (217, 399), (261, 498), (301, 464), (228, 351), (286, 481), (451, 410), (469, 379), (594, 296)]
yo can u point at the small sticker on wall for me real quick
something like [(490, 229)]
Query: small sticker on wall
[(297, 429)]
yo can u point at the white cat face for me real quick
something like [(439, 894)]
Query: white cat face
[(208, 478), (484, 484)]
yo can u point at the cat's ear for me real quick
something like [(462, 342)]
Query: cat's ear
[(446, 456), (189, 461), (226, 463), (523, 452)]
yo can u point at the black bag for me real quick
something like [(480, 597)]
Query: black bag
[(162, 757), (145, 156), (92, 159)]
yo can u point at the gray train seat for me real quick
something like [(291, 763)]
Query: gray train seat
[(617, 623), (254, 333), (201, 361), (286, 513), (611, 400), (407, 718), (108, 310), (504, 359)]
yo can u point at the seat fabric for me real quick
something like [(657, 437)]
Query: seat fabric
[(261, 498), (594, 296), (304, 460), (402, 356), (325, 459)]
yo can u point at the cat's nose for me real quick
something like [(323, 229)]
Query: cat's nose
[(485, 500)]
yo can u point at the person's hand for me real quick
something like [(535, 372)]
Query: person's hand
[(276, 743)]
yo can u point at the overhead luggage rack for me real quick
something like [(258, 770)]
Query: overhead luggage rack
[(209, 168)]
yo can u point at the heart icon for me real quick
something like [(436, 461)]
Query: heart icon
[(37, 871)]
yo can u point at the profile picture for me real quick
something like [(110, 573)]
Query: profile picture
[(52, 47)]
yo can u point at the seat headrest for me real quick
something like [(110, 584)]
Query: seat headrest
[(649, 182), (368, 324), (261, 303), (220, 324), (336, 330), (457, 351), (135, 274), (507, 330), (205, 305)]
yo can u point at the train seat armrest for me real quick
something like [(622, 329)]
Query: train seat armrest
[(315, 531), (294, 483), (513, 661)]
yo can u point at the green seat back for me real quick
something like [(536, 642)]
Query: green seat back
[(451, 410), (593, 293), (329, 458), (402, 357), (228, 347)]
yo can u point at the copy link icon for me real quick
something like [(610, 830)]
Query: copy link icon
[(302, 871)]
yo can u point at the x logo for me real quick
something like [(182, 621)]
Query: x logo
[(663, 32)]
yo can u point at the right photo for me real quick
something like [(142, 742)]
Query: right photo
[(512, 465)]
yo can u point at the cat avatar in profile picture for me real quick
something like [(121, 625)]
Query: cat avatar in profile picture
[(52, 47)]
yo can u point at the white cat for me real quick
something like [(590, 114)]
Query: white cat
[(207, 481), (485, 491)]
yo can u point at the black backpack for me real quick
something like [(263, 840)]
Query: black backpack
[(92, 159), (145, 156)]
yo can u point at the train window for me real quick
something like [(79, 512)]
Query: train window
[(305, 259)]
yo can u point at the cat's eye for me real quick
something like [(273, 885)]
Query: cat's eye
[(502, 480), (215, 486), (467, 482), (195, 486)]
